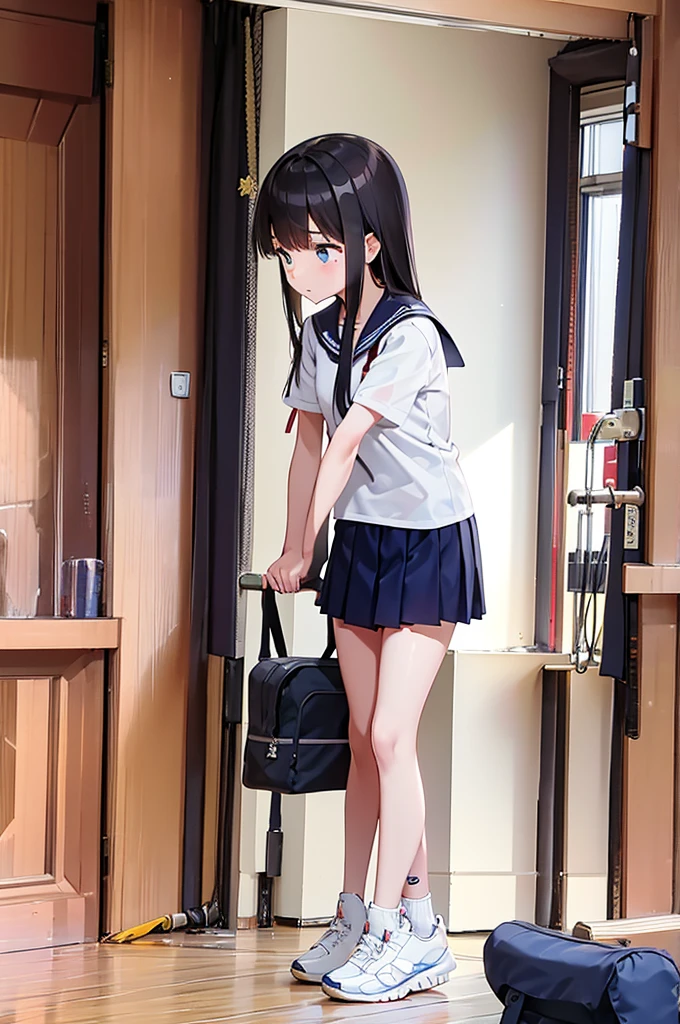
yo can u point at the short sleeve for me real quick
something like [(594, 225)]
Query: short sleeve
[(302, 395), (401, 369)]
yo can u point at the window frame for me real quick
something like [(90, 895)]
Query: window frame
[(589, 185)]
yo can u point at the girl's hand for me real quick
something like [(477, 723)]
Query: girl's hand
[(287, 572)]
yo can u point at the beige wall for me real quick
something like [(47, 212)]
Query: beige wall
[(465, 115)]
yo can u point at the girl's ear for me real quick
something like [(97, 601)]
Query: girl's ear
[(372, 247)]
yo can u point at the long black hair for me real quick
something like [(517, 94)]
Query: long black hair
[(350, 187)]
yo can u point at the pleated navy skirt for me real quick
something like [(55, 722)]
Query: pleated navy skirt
[(387, 576)]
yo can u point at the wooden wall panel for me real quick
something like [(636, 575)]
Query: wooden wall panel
[(52, 896), (8, 752), (650, 767), (30, 119), (154, 315), (16, 116), (649, 805), (46, 56), (28, 373), (49, 123), (67, 10), (663, 478)]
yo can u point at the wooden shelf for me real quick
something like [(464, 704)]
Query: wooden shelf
[(651, 579), (59, 634)]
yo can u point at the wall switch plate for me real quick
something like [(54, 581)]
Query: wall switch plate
[(180, 383)]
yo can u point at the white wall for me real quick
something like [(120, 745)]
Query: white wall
[(465, 116)]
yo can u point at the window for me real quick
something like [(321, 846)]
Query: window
[(600, 190)]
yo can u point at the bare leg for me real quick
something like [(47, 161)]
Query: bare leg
[(409, 661), (419, 871), (359, 656)]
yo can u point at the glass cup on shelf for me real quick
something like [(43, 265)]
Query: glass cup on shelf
[(81, 588)]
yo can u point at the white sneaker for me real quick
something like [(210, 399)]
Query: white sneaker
[(389, 968), (335, 945)]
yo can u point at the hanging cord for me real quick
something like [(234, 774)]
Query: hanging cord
[(585, 644), (248, 186)]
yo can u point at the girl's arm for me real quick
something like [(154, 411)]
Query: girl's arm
[(334, 472), (304, 466)]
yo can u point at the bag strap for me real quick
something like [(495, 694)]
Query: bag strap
[(271, 627), (275, 813), (514, 1004), (557, 1010), (330, 642)]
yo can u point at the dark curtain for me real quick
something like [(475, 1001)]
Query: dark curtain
[(579, 64), (620, 647), (620, 619), (221, 441), (225, 329)]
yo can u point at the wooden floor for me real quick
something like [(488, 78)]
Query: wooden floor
[(248, 983)]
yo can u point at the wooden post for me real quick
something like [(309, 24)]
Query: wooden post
[(649, 838), (154, 305)]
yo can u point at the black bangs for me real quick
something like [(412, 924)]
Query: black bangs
[(293, 191)]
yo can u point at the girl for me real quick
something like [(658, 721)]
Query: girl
[(404, 565)]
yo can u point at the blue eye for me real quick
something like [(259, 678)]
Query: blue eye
[(323, 254)]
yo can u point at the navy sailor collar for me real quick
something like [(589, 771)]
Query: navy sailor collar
[(391, 309)]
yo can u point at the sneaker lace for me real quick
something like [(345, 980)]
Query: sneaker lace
[(368, 946), (334, 933)]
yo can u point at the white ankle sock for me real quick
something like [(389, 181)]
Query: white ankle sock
[(381, 920), (421, 915)]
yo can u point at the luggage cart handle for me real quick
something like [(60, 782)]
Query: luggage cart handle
[(251, 581), (255, 581)]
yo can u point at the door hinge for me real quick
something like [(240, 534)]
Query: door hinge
[(106, 849), (105, 354), (108, 73)]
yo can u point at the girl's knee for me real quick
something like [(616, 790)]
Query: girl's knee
[(391, 742), (363, 757)]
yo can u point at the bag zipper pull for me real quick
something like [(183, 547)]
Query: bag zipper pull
[(272, 752)]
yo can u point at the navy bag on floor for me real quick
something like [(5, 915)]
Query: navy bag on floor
[(547, 977)]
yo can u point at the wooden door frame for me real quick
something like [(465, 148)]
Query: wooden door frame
[(587, 19), (650, 873)]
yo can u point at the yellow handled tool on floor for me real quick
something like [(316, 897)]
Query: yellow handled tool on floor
[(207, 916)]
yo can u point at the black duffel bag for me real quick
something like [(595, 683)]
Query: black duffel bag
[(298, 717), (546, 977)]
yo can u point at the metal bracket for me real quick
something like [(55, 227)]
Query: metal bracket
[(622, 425), (607, 496)]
